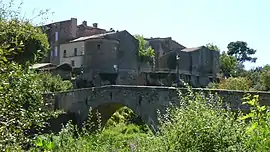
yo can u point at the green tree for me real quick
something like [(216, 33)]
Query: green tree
[(22, 107), (146, 52), (241, 51), (20, 40), (228, 64), (265, 78), (23, 41), (213, 47)]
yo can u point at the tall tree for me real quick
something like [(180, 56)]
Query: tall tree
[(241, 51), (228, 64)]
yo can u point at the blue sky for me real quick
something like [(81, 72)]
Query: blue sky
[(190, 22)]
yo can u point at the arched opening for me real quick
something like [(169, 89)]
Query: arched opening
[(117, 117)]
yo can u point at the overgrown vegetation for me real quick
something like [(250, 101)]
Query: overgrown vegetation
[(146, 52), (199, 124), (23, 112), (233, 74)]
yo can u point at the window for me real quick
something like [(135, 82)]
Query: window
[(55, 51), (72, 63), (65, 54), (98, 46), (75, 51), (51, 52), (56, 36)]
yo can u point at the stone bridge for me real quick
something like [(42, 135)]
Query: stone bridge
[(143, 100)]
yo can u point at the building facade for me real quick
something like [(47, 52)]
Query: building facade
[(163, 46), (72, 53), (64, 31)]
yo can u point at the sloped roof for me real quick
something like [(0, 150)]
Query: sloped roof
[(40, 65), (192, 49), (84, 38), (64, 66)]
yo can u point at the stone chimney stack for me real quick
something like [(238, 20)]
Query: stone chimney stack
[(84, 23), (95, 25)]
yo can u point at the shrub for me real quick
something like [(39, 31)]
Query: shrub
[(200, 125), (238, 83), (22, 108), (258, 129), (146, 52)]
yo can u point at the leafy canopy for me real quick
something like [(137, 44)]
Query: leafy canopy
[(241, 51), (20, 39), (22, 42), (228, 64)]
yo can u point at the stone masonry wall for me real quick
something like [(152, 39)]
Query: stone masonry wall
[(143, 100)]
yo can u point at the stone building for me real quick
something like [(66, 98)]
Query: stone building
[(103, 57), (64, 31), (198, 65), (108, 58), (162, 46), (72, 53)]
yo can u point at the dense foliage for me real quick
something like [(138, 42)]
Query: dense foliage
[(23, 41), (241, 51), (146, 52), (228, 64), (233, 74), (238, 83), (23, 111), (22, 107), (199, 124), (20, 40)]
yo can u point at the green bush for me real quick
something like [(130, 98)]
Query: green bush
[(238, 83), (146, 52), (199, 125), (53, 83), (258, 128), (22, 107)]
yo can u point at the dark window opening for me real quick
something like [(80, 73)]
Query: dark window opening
[(98, 46), (65, 54), (72, 63), (75, 51)]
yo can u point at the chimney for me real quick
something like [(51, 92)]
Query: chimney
[(95, 25), (73, 27), (84, 23)]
